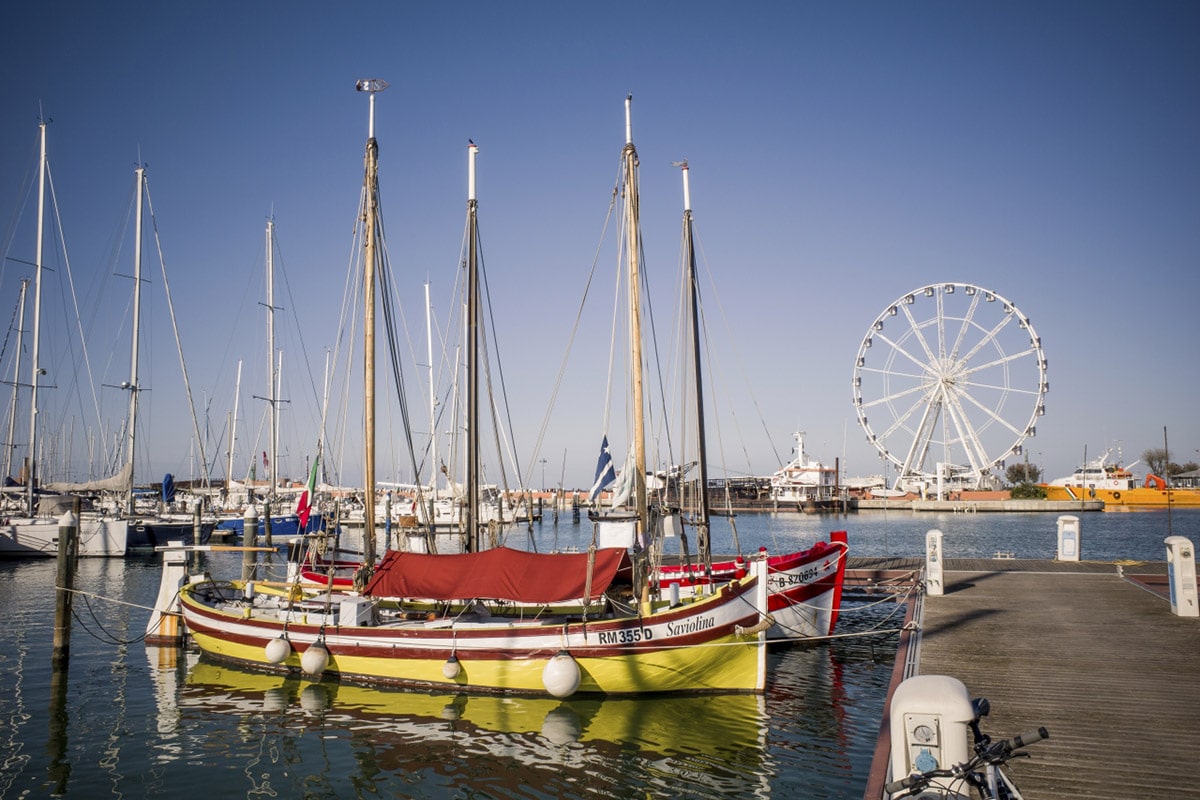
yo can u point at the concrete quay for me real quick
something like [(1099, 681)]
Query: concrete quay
[(983, 506)]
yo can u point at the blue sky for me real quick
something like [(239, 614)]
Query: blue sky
[(842, 155)]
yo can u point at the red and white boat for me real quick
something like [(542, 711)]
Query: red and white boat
[(804, 589)]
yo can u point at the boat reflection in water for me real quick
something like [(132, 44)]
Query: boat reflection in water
[(706, 745)]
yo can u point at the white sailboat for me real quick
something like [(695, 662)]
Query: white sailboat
[(148, 526), (36, 533), (284, 520)]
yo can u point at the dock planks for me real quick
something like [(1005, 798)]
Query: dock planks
[(1089, 650)]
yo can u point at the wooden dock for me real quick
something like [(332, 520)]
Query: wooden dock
[(1090, 650)]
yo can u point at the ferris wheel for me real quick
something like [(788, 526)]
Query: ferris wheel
[(948, 383)]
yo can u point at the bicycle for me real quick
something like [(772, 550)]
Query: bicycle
[(982, 772)]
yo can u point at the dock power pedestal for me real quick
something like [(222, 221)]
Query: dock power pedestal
[(931, 715), (1181, 572), (934, 580), (1069, 535)]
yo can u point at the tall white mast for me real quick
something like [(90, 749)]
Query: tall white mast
[(133, 388), (324, 407), (278, 389), (273, 375), (237, 393), (36, 371), (473, 493), (433, 438)]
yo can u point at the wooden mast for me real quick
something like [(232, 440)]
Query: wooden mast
[(633, 236), (371, 185)]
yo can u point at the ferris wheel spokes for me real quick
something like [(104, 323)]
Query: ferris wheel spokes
[(963, 402)]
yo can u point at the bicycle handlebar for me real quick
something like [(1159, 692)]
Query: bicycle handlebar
[(1026, 739), (903, 783), (998, 753)]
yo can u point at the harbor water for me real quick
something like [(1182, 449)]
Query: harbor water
[(130, 721), (1104, 536)]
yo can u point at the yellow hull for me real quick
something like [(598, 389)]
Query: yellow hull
[(722, 665), (701, 646), (1137, 497)]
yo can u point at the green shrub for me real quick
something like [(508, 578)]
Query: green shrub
[(1028, 491)]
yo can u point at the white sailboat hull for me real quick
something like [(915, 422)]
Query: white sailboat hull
[(32, 538)]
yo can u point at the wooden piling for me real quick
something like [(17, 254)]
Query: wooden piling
[(266, 522), (68, 551), (58, 771)]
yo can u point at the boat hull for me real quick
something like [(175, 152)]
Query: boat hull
[(710, 645), (145, 535), (804, 588), (281, 525), (98, 538), (1136, 497)]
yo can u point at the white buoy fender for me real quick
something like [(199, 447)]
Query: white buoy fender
[(561, 675), (315, 659), (451, 668), (278, 650)]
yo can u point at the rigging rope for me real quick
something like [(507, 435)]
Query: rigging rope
[(562, 370), (87, 364), (178, 342)]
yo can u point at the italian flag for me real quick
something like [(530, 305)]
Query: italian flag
[(306, 499)]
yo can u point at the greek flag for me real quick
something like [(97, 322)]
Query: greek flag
[(605, 474)]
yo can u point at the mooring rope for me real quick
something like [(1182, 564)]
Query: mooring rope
[(876, 630), (102, 597), (107, 637)]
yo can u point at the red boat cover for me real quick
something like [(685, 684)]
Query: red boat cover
[(497, 574)]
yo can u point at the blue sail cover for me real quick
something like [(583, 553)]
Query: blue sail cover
[(168, 488)]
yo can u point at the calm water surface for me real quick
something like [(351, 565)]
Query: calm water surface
[(132, 721)]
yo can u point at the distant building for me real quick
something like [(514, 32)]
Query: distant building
[(1187, 480)]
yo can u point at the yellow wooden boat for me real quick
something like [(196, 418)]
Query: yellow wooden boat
[(710, 643)]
